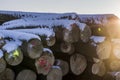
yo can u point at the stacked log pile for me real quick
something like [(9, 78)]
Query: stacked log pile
[(51, 46)]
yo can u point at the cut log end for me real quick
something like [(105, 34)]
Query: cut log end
[(78, 64), (44, 63), (63, 65), (72, 35), (51, 41), (8, 74), (34, 48), (104, 50), (99, 69), (116, 50), (115, 65), (85, 34), (55, 74), (15, 57), (2, 65), (26, 75), (67, 48)]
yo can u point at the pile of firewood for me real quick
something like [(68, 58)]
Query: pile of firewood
[(49, 46)]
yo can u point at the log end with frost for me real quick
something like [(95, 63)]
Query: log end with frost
[(55, 73), (78, 64), (14, 57), (44, 62), (26, 75)]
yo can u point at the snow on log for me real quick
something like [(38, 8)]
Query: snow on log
[(47, 35), (18, 35), (44, 62), (97, 39), (72, 29), (96, 19), (42, 16), (11, 46)]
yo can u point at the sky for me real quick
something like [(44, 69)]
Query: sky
[(63, 6)]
